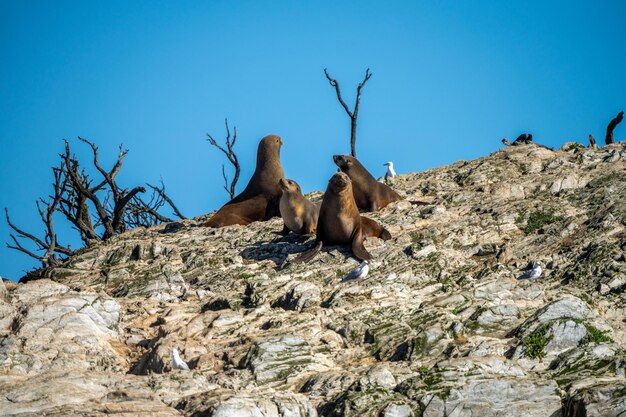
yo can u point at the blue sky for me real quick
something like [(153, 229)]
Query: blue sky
[(450, 79)]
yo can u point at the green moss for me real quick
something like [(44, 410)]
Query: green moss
[(535, 343), (460, 309), (595, 335), (574, 146), (246, 275), (431, 379), (153, 383), (536, 220)]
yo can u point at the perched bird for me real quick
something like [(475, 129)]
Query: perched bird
[(177, 362), (523, 139), (358, 272), (532, 273), (390, 171), (592, 141)]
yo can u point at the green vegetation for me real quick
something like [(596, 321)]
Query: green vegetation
[(535, 343), (595, 335), (246, 275), (536, 220), (574, 146), (460, 308)]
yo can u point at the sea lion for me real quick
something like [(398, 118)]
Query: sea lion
[(299, 213), (369, 194), (259, 201), (339, 221)]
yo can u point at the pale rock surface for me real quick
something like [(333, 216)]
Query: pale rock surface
[(440, 326)]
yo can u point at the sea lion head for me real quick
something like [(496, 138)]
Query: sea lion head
[(289, 185), (269, 149), (271, 142), (339, 182), (344, 162)]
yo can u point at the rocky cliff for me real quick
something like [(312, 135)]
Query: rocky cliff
[(441, 326)]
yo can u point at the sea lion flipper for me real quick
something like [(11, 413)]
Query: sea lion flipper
[(372, 228), (358, 249), (309, 254), (384, 234)]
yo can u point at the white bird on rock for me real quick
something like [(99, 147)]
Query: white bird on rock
[(177, 362), (360, 271), (532, 273), (390, 171)]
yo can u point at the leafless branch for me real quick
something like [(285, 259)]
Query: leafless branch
[(145, 213), (231, 156), (75, 196), (161, 192), (609, 129), (352, 114)]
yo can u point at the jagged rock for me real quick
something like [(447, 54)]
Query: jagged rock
[(57, 328), (496, 397), (262, 404), (275, 360), (604, 399), (398, 410), (441, 326), (298, 296)]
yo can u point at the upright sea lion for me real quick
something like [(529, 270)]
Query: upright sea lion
[(369, 194), (340, 223), (259, 201), (298, 212)]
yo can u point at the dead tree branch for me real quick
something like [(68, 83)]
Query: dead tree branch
[(232, 158), (75, 196), (146, 213), (161, 192), (611, 127), (354, 114), (46, 211)]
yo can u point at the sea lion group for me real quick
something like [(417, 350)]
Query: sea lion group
[(336, 221)]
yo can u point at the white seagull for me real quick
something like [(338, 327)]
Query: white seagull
[(358, 272), (177, 362), (532, 273), (390, 171)]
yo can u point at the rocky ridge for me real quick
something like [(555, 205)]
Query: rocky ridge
[(441, 326)]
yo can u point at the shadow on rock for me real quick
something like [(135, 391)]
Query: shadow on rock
[(276, 250)]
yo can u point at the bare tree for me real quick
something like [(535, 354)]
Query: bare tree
[(145, 213), (354, 114), (611, 127), (111, 215), (46, 209), (232, 158), (75, 194)]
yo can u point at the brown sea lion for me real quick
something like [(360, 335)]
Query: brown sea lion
[(340, 223), (369, 194), (259, 201), (298, 212)]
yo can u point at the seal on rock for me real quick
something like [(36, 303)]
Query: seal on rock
[(260, 199), (339, 221), (298, 212), (369, 194)]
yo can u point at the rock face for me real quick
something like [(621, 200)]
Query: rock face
[(440, 326)]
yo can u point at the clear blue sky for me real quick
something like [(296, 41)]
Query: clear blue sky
[(450, 79)]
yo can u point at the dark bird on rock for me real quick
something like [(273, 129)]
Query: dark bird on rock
[(523, 139)]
